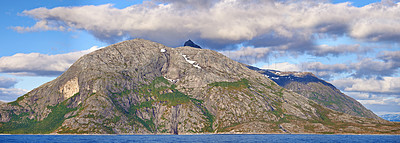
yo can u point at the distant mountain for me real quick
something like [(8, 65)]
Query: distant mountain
[(142, 87), (190, 43), (318, 90), (391, 117)]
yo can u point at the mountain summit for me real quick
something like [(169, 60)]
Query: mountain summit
[(190, 43), (143, 87)]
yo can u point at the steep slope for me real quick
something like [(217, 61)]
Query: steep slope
[(142, 87), (318, 90)]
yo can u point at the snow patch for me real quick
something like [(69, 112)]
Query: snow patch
[(163, 50), (171, 80), (191, 62)]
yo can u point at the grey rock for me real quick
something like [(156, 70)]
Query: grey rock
[(143, 87)]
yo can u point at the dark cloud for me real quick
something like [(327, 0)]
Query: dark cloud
[(390, 56), (369, 67)]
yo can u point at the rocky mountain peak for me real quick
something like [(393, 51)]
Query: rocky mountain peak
[(190, 43), (142, 87)]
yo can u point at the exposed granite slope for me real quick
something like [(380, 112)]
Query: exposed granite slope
[(143, 87)]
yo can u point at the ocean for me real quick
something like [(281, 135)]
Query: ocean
[(273, 138)]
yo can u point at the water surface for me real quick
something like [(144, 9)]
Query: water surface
[(200, 138)]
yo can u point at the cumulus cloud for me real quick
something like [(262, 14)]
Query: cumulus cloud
[(36, 64), (319, 69), (325, 50), (227, 22), (379, 103), (283, 67), (248, 55), (7, 82), (386, 85), (324, 70), (42, 25), (391, 56), (369, 67), (386, 64), (11, 94)]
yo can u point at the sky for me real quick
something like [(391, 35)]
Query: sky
[(352, 44)]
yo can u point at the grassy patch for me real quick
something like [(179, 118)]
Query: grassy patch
[(241, 83), (21, 124), (174, 98), (322, 115)]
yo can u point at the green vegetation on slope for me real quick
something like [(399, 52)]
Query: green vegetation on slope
[(21, 124), (241, 83), (165, 93)]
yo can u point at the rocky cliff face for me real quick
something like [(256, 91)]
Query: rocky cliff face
[(142, 87), (318, 90)]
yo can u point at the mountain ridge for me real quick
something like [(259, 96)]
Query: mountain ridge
[(318, 90), (142, 87)]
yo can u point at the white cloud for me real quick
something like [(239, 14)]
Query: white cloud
[(386, 85), (248, 55), (369, 67), (319, 69), (385, 64), (7, 82), (11, 94), (42, 25), (373, 102), (324, 50), (225, 21), (382, 96), (283, 67), (34, 64)]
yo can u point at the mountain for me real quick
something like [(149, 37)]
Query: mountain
[(142, 87), (190, 43), (391, 117), (318, 90)]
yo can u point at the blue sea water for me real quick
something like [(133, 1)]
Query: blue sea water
[(200, 138)]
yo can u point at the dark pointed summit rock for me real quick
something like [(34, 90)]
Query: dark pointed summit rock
[(190, 43)]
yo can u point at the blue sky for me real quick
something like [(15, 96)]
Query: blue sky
[(352, 44)]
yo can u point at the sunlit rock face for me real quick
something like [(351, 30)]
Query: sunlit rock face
[(143, 87)]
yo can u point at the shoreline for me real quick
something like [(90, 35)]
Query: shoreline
[(188, 134)]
